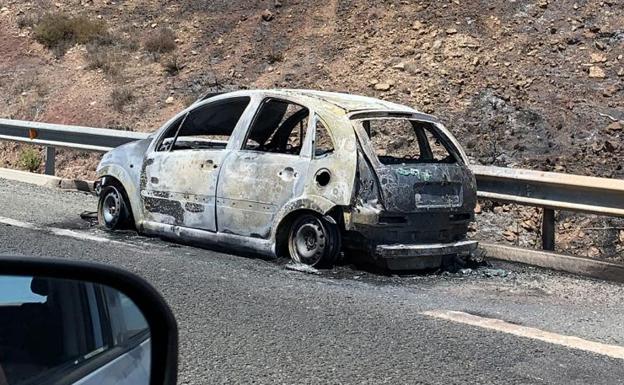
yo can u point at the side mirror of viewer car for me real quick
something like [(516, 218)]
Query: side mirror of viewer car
[(69, 322)]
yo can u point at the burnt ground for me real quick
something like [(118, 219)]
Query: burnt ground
[(527, 83)]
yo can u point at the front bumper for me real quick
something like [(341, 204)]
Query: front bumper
[(420, 256)]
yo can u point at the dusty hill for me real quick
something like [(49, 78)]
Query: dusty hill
[(531, 83), (528, 83)]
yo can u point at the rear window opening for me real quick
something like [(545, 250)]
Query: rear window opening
[(404, 141)]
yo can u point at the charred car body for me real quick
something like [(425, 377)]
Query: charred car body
[(299, 173)]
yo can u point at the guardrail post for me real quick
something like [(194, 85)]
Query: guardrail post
[(49, 160), (548, 229)]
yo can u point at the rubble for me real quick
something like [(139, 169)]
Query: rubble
[(596, 72), (383, 86), (488, 272), (303, 268), (598, 58), (615, 126), (267, 15)]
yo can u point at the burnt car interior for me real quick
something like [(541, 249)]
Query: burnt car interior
[(404, 141), (279, 126), (206, 127)]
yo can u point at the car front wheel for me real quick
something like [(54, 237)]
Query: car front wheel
[(314, 241), (113, 212)]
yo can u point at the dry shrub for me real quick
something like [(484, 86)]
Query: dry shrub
[(110, 54), (275, 56), (120, 97), (172, 65), (28, 20), (160, 41), (59, 32), (109, 59), (29, 159)]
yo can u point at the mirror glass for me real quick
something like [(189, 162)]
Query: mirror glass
[(59, 331)]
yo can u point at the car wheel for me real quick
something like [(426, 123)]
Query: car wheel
[(113, 210), (314, 241)]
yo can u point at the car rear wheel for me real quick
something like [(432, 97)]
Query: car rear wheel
[(314, 241), (113, 211)]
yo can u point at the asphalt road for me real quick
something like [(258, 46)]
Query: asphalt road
[(246, 320)]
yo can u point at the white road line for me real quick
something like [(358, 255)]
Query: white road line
[(57, 231), (528, 332)]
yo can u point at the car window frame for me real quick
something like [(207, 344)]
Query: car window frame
[(305, 151), (176, 120), (368, 148), (316, 118)]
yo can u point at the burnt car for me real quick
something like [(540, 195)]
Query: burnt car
[(299, 173)]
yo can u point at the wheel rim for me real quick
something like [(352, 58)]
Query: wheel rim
[(308, 241), (111, 208)]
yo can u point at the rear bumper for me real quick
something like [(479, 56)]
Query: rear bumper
[(420, 256)]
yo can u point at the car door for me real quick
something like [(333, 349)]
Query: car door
[(267, 172), (180, 173)]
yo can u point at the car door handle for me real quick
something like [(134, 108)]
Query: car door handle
[(209, 163), (287, 174)]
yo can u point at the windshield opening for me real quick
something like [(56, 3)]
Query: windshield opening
[(401, 141)]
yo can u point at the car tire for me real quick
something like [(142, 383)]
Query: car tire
[(113, 209), (314, 241)]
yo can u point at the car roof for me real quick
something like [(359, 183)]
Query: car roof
[(347, 102)]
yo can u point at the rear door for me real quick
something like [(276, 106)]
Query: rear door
[(179, 179), (268, 171), (418, 167)]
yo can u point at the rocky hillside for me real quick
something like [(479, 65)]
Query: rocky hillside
[(525, 83), (531, 83)]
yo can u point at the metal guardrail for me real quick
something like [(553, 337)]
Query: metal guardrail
[(548, 190), (58, 135), (551, 191), (63, 136)]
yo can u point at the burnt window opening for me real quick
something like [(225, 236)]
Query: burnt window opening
[(404, 141), (206, 127), (323, 143), (438, 151), (279, 127)]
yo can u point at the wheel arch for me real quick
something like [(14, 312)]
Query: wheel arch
[(320, 206), (117, 176)]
